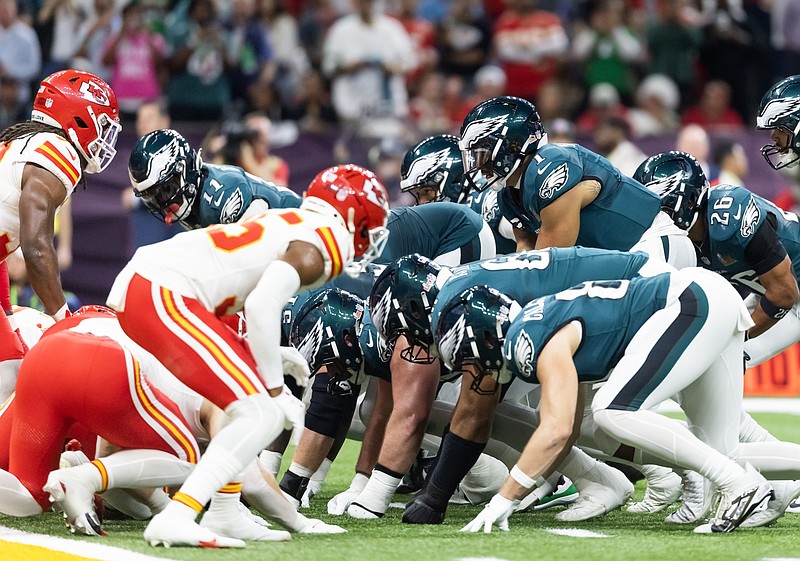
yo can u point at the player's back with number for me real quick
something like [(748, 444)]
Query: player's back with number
[(221, 265)]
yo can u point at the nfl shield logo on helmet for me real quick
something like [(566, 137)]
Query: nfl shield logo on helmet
[(48, 102)]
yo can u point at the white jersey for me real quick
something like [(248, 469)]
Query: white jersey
[(45, 149), (221, 265)]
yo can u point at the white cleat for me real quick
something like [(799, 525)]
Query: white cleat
[(785, 493), (177, 531), (611, 490), (75, 498), (236, 525), (736, 505), (317, 526), (794, 508), (663, 489), (695, 500), (355, 510)]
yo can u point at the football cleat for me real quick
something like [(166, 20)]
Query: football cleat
[(794, 508), (171, 531), (696, 500), (737, 505), (356, 510), (73, 496), (565, 494), (663, 489), (785, 493), (610, 492)]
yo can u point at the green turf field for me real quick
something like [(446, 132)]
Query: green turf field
[(629, 536)]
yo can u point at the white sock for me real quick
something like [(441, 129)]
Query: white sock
[(378, 492), (664, 438), (266, 500), (271, 461), (225, 502), (577, 466), (128, 505), (15, 499), (132, 469), (751, 431), (297, 469)]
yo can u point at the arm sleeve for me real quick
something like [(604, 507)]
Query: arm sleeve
[(765, 250), (263, 307)]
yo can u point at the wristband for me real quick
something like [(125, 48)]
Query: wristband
[(61, 313), (772, 310), (527, 482)]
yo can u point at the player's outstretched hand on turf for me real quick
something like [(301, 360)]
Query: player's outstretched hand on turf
[(495, 513), (295, 365), (294, 412)]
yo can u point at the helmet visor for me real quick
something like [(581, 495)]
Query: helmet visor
[(103, 149), (160, 197)]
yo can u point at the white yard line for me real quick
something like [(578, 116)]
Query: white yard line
[(575, 533), (81, 548)]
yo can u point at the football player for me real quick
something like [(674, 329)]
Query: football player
[(743, 237), (647, 339), (175, 185), (432, 171), (779, 112), (559, 195), (401, 303), (73, 130), (170, 296)]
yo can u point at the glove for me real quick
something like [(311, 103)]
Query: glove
[(294, 412), (295, 365), (418, 511), (315, 483), (337, 506), (495, 513)]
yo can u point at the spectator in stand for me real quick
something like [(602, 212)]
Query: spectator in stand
[(490, 81), (257, 159), (693, 139), (94, 34), (657, 101), (289, 56), (367, 54), (463, 39), (421, 32), (20, 54), (560, 131), (199, 88), (248, 51), (529, 44), (12, 110), (558, 99), (427, 108), (674, 41), (135, 56), (732, 161), (612, 139), (608, 50), (66, 18), (604, 102), (313, 108), (714, 111), (785, 20), (313, 25)]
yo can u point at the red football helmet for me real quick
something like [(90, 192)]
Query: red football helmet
[(357, 197), (85, 107)]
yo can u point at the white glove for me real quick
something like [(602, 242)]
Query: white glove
[(294, 412), (495, 513), (337, 506), (316, 526), (315, 483), (295, 365)]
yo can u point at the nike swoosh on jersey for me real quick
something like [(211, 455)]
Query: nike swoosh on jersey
[(544, 169), (219, 200)]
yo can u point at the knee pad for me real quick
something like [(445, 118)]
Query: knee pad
[(327, 411)]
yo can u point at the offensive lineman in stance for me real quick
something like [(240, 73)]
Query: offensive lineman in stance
[(170, 297)]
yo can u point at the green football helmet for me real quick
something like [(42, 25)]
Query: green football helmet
[(496, 136), (472, 329), (679, 181), (166, 174), (401, 302), (780, 109), (325, 331), (434, 165)]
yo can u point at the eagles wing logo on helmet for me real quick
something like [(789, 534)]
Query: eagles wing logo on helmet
[(384, 351), (776, 109), (665, 185), (232, 207), (555, 181), (160, 162), (750, 219), (451, 341), (523, 354), (309, 346), (480, 129), (380, 314), (422, 167)]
